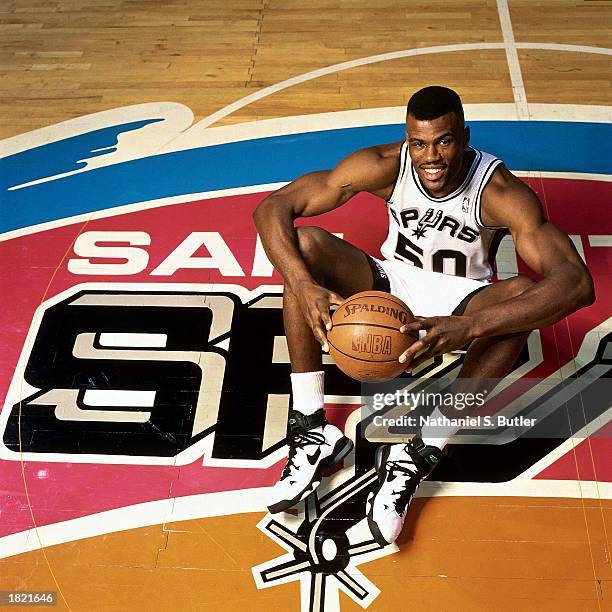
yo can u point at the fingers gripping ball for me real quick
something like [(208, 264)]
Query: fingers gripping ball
[(365, 340)]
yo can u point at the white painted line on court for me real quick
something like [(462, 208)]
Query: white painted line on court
[(516, 77), (225, 503), (222, 193), (560, 47), (195, 137), (337, 120), (382, 57), (172, 118), (600, 241), (138, 206), (315, 74)]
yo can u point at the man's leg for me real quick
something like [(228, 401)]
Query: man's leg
[(494, 357), (402, 467), (336, 265), (487, 359), (314, 445)]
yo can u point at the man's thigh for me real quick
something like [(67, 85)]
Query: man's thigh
[(337, 264), (496, 293), (430, 294)]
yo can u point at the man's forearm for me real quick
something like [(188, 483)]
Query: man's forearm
[(544, 303), (279, 239)]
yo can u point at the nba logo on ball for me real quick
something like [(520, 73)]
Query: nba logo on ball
[(365, 340)]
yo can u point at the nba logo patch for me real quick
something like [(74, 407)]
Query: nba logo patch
[(465, 205)]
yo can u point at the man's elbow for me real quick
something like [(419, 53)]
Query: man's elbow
[(257, 216), (585, 291), (271, 211), (259, 213)]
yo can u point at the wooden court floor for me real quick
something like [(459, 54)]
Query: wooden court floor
[(541, 544), (65, 59)]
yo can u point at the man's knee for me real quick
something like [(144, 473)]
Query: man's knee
[(499, 292), (333, 262), (311, 242)]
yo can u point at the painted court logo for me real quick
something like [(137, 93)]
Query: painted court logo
[(146, 346)]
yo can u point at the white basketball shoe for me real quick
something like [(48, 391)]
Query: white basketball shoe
[(314, 446), (401, 469)]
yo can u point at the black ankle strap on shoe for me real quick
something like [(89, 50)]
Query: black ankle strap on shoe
[(430, 456), (303, 422)]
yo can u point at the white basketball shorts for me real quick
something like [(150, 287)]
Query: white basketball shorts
[(427, 294)]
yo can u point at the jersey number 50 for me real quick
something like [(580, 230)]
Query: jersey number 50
[(409, 251)]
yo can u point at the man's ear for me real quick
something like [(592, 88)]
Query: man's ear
[(466, 135)]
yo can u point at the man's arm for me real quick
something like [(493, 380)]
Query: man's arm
[(565, 287), (373, 170), (566, 283)]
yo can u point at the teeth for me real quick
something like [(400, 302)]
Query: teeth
[(432, 170)]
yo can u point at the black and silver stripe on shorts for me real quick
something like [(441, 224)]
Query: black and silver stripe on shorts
[(380, 279)]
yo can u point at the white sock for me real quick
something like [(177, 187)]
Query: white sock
[(307, 390), (437, 435)]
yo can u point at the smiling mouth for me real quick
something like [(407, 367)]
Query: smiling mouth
[(433, 174)]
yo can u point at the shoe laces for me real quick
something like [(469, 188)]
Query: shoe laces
[(300, 439), (407, 473)]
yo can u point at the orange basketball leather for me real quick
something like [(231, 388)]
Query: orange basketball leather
[(365, 340)]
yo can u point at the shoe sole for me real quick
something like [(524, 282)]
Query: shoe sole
[(342, 448), (380, 458)]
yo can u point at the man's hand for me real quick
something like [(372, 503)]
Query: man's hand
[(315, 302), (444, 334)]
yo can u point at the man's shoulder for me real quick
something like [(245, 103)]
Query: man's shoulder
[(506, 199), (503, 182), (390, 150), (372, 169), (382, 154)]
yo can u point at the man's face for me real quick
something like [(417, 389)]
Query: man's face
[(437, 150)]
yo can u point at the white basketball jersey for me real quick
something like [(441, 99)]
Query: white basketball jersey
[(442, 234)]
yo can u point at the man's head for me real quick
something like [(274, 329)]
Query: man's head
[(437, 138)]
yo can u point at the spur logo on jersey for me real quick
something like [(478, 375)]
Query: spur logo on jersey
[(429, 219), (434, 219)]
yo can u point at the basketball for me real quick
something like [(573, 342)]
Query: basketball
[(365, 339)]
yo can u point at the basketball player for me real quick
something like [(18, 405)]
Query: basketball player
[(448, 206)]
